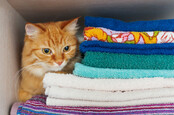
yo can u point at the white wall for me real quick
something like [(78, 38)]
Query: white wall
[(11, 36), (127, 10)]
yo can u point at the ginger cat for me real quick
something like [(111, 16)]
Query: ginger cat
[(48, 47)]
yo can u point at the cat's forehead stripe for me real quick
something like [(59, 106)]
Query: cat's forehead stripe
[(56, 28), (56, 39)]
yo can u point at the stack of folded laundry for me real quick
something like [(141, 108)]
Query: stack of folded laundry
[(121, 66), (127, 69), (71, 90)]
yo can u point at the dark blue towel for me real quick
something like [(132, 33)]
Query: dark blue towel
[(139, 26), (142, 49)]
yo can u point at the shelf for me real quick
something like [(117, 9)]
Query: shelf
[(127, 10)]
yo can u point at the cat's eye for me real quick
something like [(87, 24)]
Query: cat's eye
[(46, 51), (66, 49)]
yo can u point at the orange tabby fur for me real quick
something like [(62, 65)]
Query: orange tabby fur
[(52, 35)]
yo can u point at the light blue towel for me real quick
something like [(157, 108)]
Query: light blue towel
[(92, 72)]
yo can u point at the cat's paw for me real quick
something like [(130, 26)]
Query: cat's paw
[(24, 95)]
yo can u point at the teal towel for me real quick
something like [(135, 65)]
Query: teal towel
[(128, 61), (93, 72)]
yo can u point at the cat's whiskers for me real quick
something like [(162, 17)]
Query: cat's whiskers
[(77, 58), (18, 74)]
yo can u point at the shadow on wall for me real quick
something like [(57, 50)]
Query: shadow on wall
[(127, 10)]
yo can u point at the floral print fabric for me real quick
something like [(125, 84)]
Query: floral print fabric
[(107, 35)]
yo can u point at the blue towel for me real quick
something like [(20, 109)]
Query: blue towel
[(139, 26), (142, 49), (93, 72)]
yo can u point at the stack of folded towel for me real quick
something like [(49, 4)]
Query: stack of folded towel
[(124, 64), (71, 90)]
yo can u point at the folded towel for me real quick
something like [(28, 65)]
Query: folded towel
[(128, 61), (107, 73), (37, 105), (72, 81), (106, 96), (71, 102), (117, 25), (107, 35), (145, 49)]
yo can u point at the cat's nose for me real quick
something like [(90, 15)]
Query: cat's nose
[(59, 62)]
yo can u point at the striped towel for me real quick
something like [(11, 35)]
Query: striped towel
[(37, 105)]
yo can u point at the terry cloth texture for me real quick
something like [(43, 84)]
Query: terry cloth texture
[(108, 73), (139, 26), (107, 35), (71, 90), (106, 96), (128, 61), (71, 102), (142, 49), (37, 105), (75, 82)]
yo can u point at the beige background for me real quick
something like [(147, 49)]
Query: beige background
[(128, 10), (11, 32)]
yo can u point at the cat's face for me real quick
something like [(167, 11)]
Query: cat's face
[(49, 46)]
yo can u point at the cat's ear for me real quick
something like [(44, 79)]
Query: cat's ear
[(70, 26), (32, 29)]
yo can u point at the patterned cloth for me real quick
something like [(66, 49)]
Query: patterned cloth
[(37, 105), (107, 35)]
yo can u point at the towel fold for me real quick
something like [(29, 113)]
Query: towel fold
[(107, 35), (106, 96), (128, 61), (107, 73), (145, 49), (118, 25), (71, 102), (72, 81)]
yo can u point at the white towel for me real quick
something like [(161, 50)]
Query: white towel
[(72, 81), (63, 102), (103, 96)]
